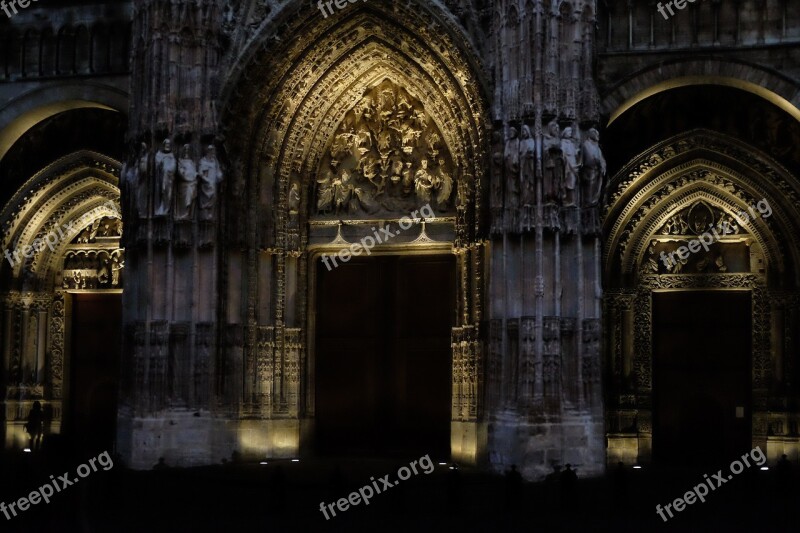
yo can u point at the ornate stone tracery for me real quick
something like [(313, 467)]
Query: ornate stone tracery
[(696, 183)]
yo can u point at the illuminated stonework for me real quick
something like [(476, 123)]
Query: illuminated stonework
[(386, 157)]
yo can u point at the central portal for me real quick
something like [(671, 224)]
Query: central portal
[(383, 356)]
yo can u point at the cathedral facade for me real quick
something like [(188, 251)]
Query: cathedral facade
[(528, 232)]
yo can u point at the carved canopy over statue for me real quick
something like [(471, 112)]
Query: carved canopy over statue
[(386, 157)]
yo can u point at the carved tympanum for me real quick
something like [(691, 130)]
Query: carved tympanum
[(387, 156)]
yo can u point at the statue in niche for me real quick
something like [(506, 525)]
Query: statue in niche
[(512, 168), (325, 189), (593, 170), (117, 264), (294, 199), (187, 185), (210, 174), (166, 166), (423, 182), (553, 164), (443, 184), (142, 182), (497, 169), (527, 148), (572, 164)]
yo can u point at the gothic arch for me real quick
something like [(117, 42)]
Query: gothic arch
[(284, 113), (770, 85), (83, 186), (657, 191), (46, 225), (699, 165), (22, 113)]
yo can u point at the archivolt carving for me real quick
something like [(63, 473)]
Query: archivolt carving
[(648, 193), (78, 187)]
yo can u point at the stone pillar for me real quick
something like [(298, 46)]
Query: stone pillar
[(174, 181), (544, 323)]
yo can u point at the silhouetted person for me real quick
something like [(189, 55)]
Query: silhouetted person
[(568, 480), (35, 425), (161, 465), (620, 483), (513, 488)]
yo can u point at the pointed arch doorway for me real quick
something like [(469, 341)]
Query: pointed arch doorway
[(696, 339)]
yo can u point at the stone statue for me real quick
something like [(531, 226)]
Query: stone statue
[(423, 182), (325, 190), (294, 198), (210, 174), (187, 185), (443, 184), (527, 147), (572, 164), (166, 166), (512, 169), (343, 192), (593, 170), (553, 163)]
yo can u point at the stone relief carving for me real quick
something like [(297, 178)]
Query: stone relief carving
[(93, 269), (101, 229), (387, 156)]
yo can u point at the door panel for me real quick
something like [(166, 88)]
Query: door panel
[(701, 374), (383, 363)]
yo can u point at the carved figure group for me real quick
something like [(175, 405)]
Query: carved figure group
[(386, 155), (178, 184)]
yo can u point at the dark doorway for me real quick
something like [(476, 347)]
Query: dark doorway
[(383, 357), (701, 376), (91, 416)]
